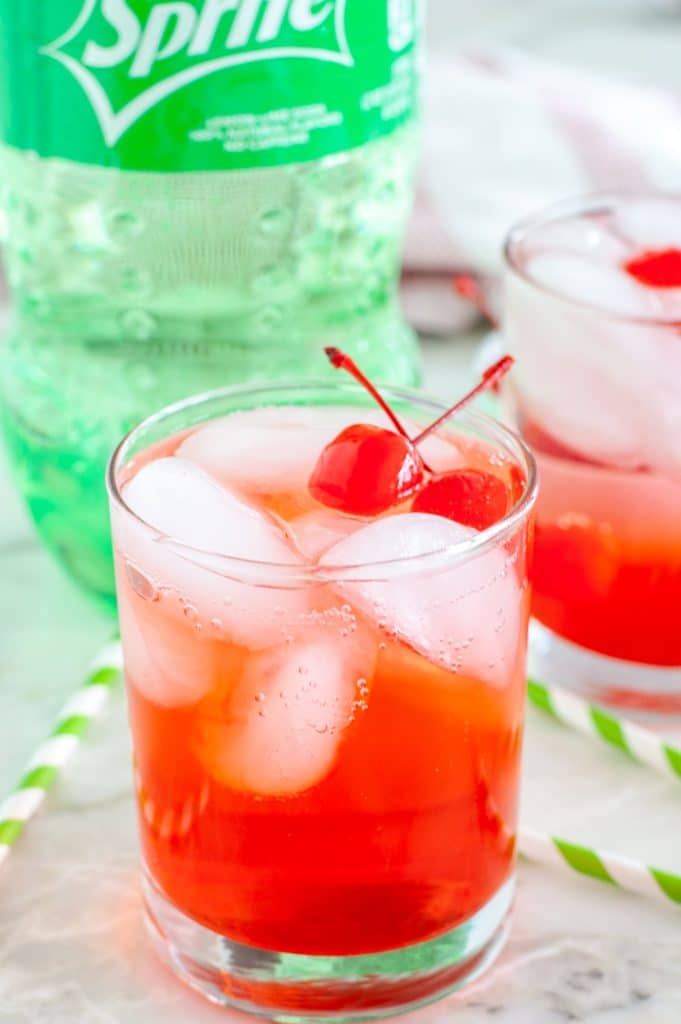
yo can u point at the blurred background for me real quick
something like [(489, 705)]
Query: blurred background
[(529, 102), (526, 102)]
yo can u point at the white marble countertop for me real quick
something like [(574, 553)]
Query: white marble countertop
[(72, 945)]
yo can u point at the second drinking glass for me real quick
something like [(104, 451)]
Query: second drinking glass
[(593, 314)]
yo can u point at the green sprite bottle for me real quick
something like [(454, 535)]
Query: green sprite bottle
[(198, 192)]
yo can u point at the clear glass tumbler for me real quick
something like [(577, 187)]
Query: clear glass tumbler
[(327, 753), (593, 317)]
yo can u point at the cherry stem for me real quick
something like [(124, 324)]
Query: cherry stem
[(489, 379), (468, 287), (343, 362)]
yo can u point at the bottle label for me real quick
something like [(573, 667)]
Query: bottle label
[(196, 85)]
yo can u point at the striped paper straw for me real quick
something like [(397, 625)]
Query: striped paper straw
[(43, 768), (639, 743), (611, 868)]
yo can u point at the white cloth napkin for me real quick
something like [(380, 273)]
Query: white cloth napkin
[(506, 133)]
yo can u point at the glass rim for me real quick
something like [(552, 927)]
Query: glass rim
[(291, 574), (582, 203)]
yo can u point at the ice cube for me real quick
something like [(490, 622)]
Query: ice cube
[(464, 615), (605, 388), (605, 287), (279, 731), (172, 821), (182, 503), (161, 661), (317, 531), (650, 223), (584, 237), (273, 450), (440, 451), (270, 449)]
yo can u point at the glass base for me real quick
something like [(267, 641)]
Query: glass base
[(646, 691), (290, 988)]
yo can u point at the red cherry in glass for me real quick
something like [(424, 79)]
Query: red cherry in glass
[(366, 470), (657, 268), (468, 496)]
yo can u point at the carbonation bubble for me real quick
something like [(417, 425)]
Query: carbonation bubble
[(37, 303), (124, 224), (134, 280), (141, 584), (270, 316), (274, 221), (139, 324), (141, 376), (268, 278)]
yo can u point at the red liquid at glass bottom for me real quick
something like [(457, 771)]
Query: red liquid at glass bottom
[(607, 561), (410, 834)]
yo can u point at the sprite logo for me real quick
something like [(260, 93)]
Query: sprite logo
[(130, 55)]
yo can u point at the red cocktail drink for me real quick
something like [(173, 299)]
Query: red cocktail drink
[(326, 707), (593, 314)]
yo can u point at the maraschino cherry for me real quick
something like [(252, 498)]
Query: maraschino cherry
[(656, 268), (469, 496), (367, 470)]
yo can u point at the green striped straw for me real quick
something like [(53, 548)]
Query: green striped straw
[(611, 868), (639, 743), (43, 768)]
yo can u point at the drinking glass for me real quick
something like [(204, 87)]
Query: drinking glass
[(327, 756), (593, 316)]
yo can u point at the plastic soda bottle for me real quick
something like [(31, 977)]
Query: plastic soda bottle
[(197, 192)]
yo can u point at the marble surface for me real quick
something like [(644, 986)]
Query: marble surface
[(72, 945)]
